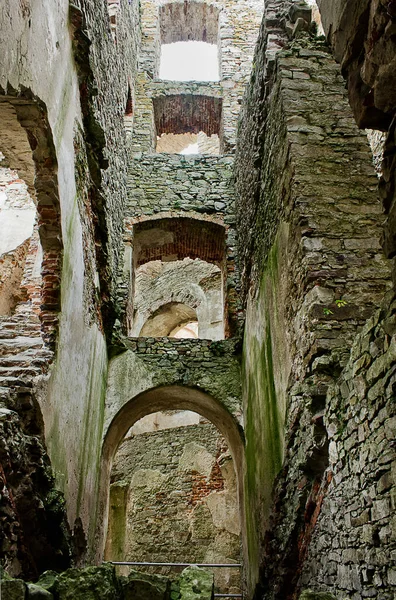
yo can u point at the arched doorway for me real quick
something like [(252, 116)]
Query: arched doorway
[(173, 498), (160, 399)]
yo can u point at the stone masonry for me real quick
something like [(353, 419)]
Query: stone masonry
[(173, 499), (286, 217)]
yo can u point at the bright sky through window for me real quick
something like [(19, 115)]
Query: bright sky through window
[(189, 61)]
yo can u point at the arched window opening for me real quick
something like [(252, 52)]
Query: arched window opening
[(189, 330), (190, 42), (169, 319), (20, 280), (30, 233), (173, 497), (188, 124), (20, 249), (189, 61)]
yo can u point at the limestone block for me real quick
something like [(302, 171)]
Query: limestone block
[(36, 592), (196, 583), (195, 457), (145, 587)]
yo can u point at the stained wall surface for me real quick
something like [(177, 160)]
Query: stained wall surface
[(173, 498)]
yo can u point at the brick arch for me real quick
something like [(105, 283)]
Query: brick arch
[(172, 397), (29, 149), (177, 238)]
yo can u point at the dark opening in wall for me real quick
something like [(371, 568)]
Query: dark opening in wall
[(129, 112), (178, 238), (183, 114), (129, 103), (190, 41)]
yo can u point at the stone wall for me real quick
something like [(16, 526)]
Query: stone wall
[(366, 52), (173, 498), (353, 542), (236, 35), (197, 187), (63, 91), (306, 196)]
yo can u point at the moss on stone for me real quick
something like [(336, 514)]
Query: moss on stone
[(196, 583), (91, 583), (13, 589)]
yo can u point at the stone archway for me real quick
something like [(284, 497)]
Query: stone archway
[(160, 399)]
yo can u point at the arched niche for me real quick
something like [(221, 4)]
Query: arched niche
[(167, 294), (173, 397)]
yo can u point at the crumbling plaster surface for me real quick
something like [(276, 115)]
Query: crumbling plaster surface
[(210, 366)]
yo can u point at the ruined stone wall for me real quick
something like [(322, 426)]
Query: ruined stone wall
[(353, 542), (176, 184), (173, 498), (236, 36), (64, 85), (306, 188), (361, 35)]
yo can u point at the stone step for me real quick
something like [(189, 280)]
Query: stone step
[(38, 358), (19, 343), (21, 371), (9, 328), (15, 382), (4, 393)]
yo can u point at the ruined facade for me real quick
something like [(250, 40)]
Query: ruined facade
[(249, 281)]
